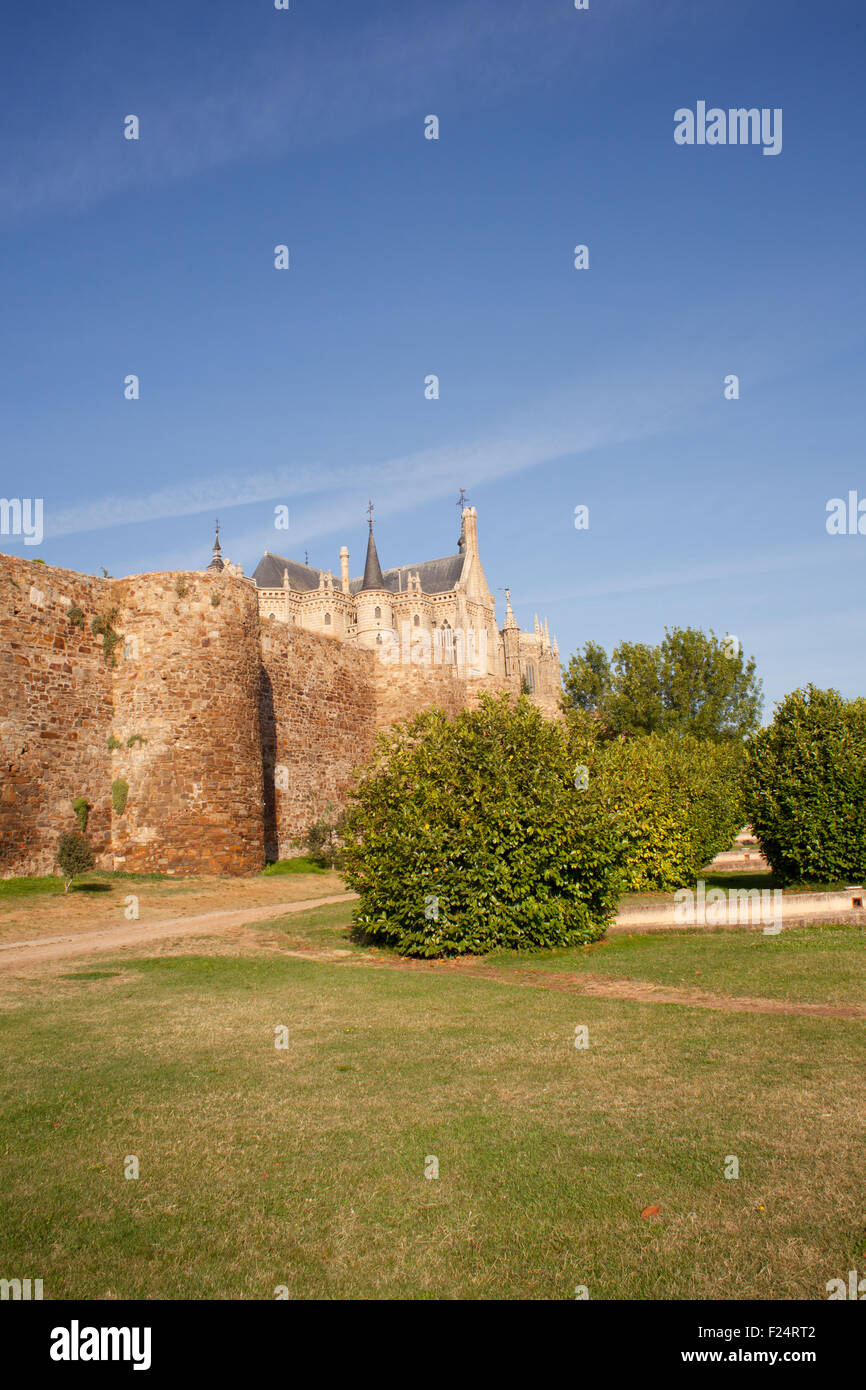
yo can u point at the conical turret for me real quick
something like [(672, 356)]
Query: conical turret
[(372, 569), (216, 565)]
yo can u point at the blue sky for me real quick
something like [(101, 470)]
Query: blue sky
[(558, 387)]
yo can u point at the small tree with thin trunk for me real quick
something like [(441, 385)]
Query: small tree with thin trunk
[(74, 856)]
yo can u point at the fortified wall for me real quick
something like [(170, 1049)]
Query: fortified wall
[(201, 737)]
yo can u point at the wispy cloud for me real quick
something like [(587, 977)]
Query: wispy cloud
[(591, 418), (248, 89)]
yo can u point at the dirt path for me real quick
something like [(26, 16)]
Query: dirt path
[(20, 953), (14, 953), (641, 991)]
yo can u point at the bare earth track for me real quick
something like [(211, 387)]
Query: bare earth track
[(220, 924), (49, 948)]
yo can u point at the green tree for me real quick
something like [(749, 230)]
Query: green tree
[(707, 685), (74, 856), (805, 787), (324, 842), (587, 678), (470, 834), (634, 705), (690, 682)]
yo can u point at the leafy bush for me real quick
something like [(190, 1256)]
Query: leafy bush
[(81, 807), (113, 743), (674, 800), (469, 834), (75, 615), (324, 840), (136, 740), (74, 856), (806, 787), (119, 793)]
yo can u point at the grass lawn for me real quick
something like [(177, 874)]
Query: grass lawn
[(821, 963), (305, 1167)]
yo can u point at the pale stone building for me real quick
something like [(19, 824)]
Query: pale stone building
[(433, 613)]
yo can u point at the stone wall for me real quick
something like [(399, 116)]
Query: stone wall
[(55, 710), (231, 734), (186, 693), (318, 720), (184, 690)]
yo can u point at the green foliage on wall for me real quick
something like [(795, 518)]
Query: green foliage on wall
[(75, 615), (467, 835), (113, 743), (806, 787), (119, 793), (135, 740), (81, 807), (103, 626)]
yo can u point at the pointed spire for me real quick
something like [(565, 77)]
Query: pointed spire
[(510, 620), (372, 569), (216, 564), (546, 634)]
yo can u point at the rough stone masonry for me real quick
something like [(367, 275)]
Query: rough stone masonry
[(185, 696)]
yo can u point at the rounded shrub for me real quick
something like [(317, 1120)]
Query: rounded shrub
[(74, 856), (676, 801), (469, 834), (806, 787)]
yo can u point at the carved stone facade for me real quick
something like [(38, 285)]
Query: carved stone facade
[(433, 613)]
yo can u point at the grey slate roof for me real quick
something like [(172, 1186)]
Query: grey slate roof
[(268, 573), (437, 576)]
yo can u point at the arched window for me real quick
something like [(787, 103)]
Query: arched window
[(445, 640), (530, 676), (272, 615), (417, 621), (327, 620), (379, 639), (377, 613)]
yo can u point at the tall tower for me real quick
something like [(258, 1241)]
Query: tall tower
[(511, 639), (373, 602)]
